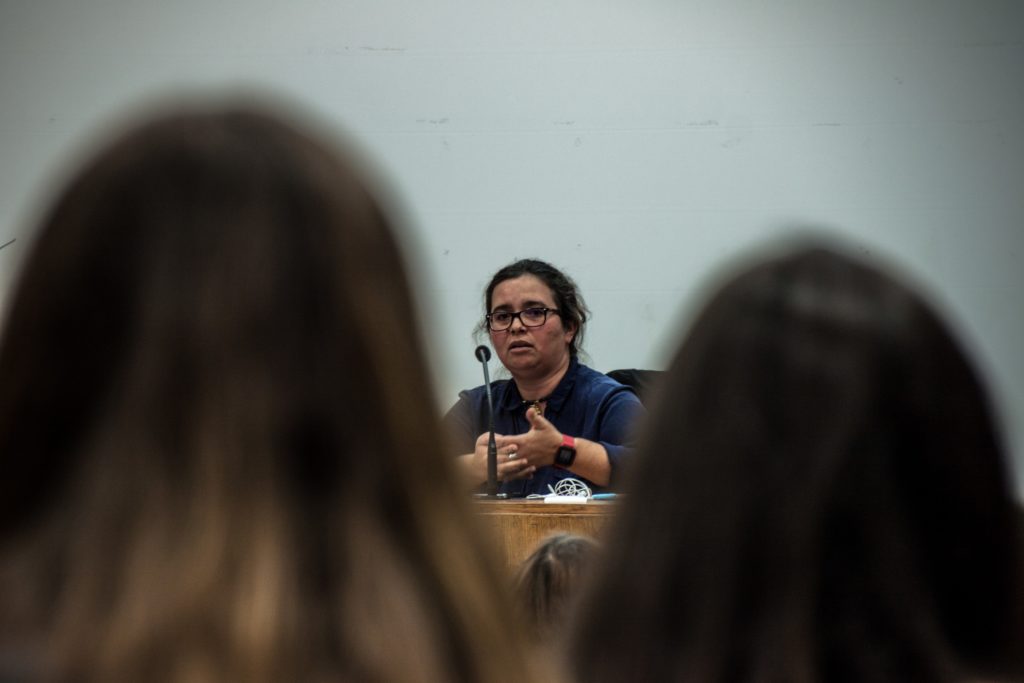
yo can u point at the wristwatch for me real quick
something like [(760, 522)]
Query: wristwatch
[(565, 456)]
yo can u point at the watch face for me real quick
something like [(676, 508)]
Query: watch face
[(565, 456)]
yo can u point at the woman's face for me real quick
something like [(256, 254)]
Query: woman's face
[(529, 352)]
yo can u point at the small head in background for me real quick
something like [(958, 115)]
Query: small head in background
[(549, 581), (821, 495)]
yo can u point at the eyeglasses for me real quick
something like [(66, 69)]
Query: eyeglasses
[(499, 321)]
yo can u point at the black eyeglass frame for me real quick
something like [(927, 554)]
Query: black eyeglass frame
[(519, 314)]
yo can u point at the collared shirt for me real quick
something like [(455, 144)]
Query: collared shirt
[(586, 404)]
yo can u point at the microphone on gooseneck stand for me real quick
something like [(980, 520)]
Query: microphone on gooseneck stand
[(483, 354)]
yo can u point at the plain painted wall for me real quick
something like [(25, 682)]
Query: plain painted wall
[(639, 144)]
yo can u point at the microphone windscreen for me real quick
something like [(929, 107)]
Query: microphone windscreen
[(483, 354)]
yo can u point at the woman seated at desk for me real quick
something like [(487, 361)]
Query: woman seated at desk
[(556, 417)]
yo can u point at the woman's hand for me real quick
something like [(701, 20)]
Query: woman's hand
[(537, 446), (510, 466)]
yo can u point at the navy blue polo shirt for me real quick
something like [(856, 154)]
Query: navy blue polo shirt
[(586, 404)]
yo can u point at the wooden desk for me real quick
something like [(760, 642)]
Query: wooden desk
[(517, 526)]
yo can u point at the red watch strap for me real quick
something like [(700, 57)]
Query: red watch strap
[(569, 441)]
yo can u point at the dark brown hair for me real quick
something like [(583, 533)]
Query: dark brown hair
[(821, 495), (549, 581), (214, 468), (572, 309)]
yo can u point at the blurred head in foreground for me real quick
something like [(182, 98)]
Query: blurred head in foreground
[(822, 496), (220, 458), (549, 582)]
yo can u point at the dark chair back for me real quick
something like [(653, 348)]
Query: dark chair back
[(640, 381)]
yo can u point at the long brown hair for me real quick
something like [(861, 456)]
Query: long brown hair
[(821, 496), (220, 457)]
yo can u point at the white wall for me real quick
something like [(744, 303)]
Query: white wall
[(636, 143)]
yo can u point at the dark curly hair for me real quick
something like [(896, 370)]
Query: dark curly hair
[(571, 308)]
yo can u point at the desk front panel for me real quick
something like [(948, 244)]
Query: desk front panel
[(516, 527)]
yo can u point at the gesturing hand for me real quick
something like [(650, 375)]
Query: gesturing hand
[(537, 446), (509, 465)]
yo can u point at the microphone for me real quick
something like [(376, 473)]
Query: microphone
[(483, 354)]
